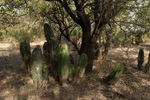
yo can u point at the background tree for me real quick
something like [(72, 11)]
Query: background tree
[(91, 19), (91, 16)]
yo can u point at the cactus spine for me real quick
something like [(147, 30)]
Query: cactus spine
[(82, 65), (37, 65), (140, 58), (25, 51), (115, 74), (63, 60)]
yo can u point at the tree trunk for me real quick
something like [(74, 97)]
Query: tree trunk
[(88, 47)]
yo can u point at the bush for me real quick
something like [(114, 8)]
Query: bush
[(21, 34)]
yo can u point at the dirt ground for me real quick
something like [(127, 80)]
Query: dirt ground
[(16, 82)]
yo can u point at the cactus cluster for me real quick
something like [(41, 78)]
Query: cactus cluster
[(62, 65), (140, 58), (25, 52), (55, 60)]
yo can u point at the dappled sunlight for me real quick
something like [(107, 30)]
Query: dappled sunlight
[(134, 84)]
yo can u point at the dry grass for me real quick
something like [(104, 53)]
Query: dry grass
[(16, 83)]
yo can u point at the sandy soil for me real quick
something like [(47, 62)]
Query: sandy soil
[(16, 82)]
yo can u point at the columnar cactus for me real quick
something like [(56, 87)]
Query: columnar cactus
[(63, 60), (37, 65), (25, 53), (48, 32), (45, 71), (54, 59), (140, 58), (71, 73), (115, 74), (82, 65), (46, 53)]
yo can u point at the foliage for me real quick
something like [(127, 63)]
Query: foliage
[(20, 35)]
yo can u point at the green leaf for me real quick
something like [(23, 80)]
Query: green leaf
[(36, 6), (46, 8)]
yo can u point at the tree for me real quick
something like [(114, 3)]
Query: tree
[(91, 16)]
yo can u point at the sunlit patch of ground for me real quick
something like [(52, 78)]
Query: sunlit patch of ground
[(16, 83)]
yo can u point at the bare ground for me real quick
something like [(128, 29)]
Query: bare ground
[(16, 82)]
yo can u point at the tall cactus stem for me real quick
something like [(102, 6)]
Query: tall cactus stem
[(140, 58), (25, 52), (63, 60)]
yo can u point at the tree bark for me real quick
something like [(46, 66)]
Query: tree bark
[(88, 47)]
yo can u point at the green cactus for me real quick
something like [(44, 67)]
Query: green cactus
[(140, 58), (54, 59), (82, 65), (37, 65), (45, 71), (25, 52), (115, 74), (46, 52), (63, 60), (48, 32), (71, 73)]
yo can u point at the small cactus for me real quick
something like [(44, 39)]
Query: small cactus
[(140, 58), (115, 74), (82, 65), (25, 52), (48, 32), (37, 65), (71, 73), (63, 61)]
